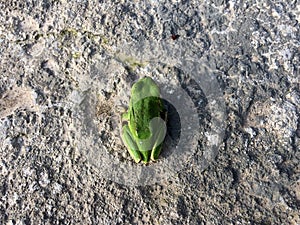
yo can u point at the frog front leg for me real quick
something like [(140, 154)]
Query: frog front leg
[(130, 144)]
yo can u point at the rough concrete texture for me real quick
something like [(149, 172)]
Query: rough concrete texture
[(61, 74)]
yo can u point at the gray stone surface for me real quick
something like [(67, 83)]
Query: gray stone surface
[(66, 70)]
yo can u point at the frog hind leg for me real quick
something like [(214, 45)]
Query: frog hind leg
[(160, 136), (146, 156), (130, 144), (156, 152)]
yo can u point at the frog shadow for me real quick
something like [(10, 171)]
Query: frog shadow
[(173, 130)]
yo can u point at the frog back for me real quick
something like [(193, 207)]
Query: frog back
[(146, 104)]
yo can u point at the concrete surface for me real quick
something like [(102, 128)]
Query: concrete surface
[(229, 71)]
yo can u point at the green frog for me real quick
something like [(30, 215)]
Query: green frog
[(145, 130)]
